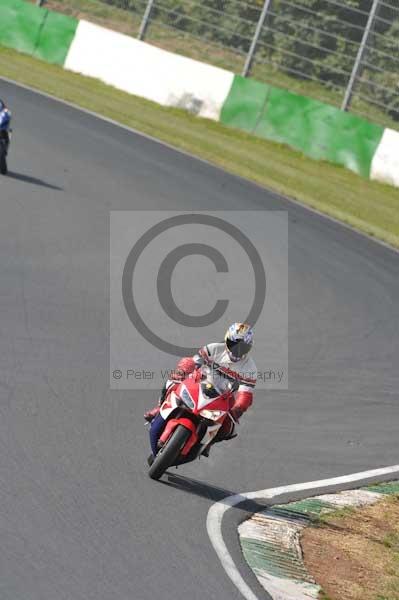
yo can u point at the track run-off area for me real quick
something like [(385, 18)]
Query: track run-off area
[(79, 517)]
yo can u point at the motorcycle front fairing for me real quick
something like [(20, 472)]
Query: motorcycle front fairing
[(188, 400)]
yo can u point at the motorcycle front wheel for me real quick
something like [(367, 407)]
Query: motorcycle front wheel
[(169, 452)]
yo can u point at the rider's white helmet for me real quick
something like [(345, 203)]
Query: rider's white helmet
[(239, 340)]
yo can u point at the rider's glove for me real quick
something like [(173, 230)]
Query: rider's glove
[(184, 367)]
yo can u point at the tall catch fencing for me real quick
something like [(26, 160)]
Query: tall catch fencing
[(345, 53)]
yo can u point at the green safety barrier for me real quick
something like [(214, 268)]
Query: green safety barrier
[(36, 31), (20, 25), (55, 37), (319, 130)]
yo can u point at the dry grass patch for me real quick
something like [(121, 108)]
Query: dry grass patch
[(355, 555)]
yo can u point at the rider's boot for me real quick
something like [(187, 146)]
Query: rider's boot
[(221, 436), (150, 415)]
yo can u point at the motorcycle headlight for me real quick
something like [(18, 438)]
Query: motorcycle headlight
[(212, 415), (185, 396)]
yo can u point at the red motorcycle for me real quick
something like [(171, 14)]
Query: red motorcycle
[(194, 411)]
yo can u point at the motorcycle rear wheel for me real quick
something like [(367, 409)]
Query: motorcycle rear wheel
[(169, 452), (3, 162)]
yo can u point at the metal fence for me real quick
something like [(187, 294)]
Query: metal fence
[(343, 52)]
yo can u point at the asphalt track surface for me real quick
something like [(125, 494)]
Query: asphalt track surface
[(79, 518)]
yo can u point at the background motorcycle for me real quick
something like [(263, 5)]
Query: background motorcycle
[(4, 142), (194, 411)]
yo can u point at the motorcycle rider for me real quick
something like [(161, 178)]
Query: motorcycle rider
[(5, 120), (229, 359)]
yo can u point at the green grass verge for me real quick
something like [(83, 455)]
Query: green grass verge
[(325, 518), (371, 207)]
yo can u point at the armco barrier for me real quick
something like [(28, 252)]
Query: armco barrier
[(316, 129)]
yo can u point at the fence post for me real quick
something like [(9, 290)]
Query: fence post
[(359, 57), (146, 19), (255, 39)]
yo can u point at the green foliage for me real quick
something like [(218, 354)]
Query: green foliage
[(315, 39), (230, 23), (310, 40), (381, 83)]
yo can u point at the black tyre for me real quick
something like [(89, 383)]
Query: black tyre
[(3, 162), (169, 452)]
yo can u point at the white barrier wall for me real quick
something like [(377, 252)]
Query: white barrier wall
[(385, 164), (144, 70)]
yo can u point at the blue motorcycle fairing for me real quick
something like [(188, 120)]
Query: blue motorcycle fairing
[(5, 118)]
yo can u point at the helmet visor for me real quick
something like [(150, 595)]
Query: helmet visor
[(239, 348)]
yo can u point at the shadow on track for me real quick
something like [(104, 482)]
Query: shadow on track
[(210, 492), (33, 180)]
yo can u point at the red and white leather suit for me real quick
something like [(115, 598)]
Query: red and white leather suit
[(216, 356)]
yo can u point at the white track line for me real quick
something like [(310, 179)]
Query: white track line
[(217, 511)]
